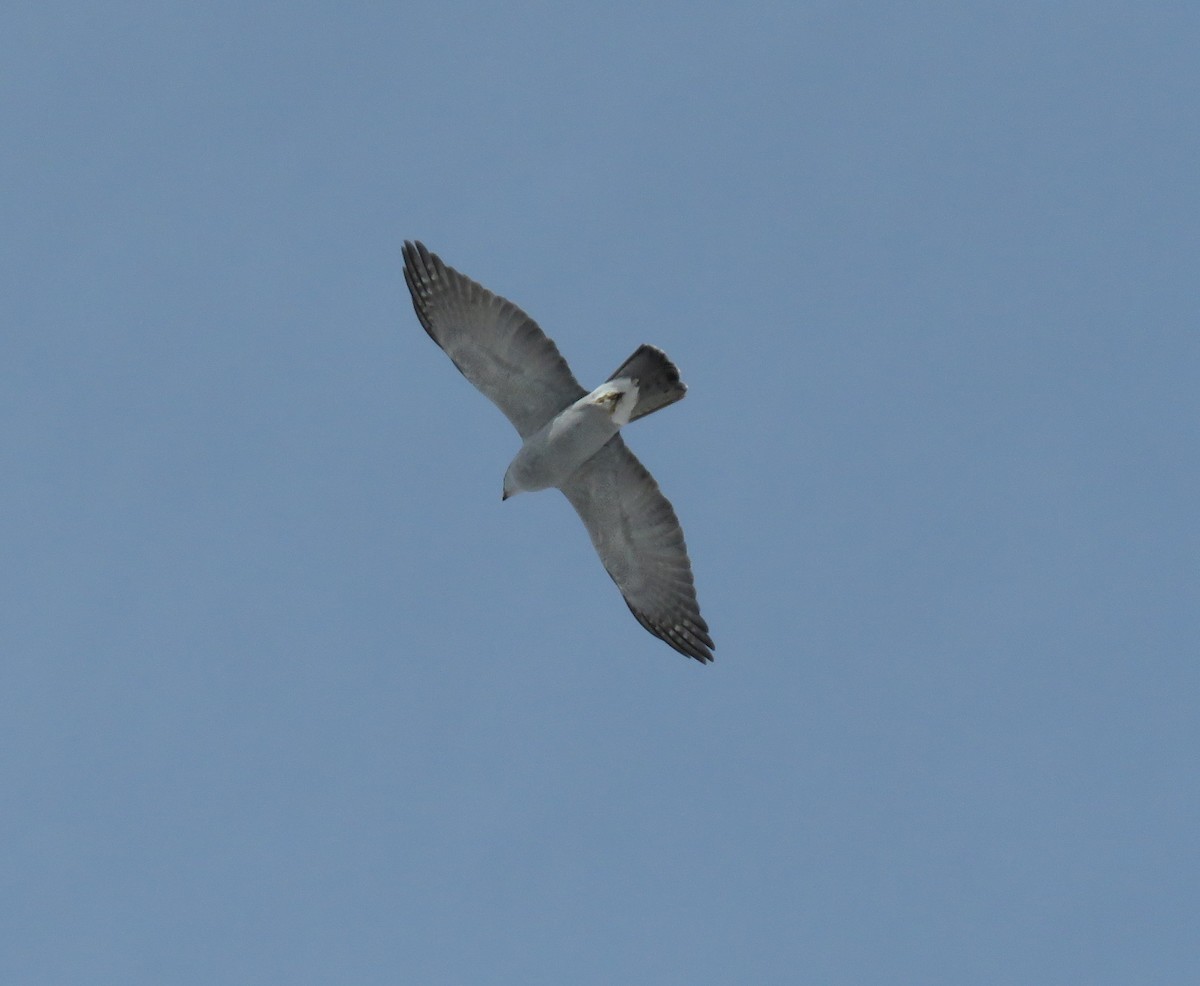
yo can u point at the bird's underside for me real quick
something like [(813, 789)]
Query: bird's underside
[(514, 364)]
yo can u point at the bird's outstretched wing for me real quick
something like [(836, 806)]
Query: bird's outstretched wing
[(497, 346), (637, 535)]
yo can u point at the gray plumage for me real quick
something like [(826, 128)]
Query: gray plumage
[(571, 439)]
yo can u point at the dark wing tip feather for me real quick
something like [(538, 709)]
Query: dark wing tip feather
[(420, 273), (688, 636)]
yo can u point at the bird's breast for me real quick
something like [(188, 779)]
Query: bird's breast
[(552, 454)]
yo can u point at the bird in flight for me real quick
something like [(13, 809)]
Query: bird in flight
[(571, 439)]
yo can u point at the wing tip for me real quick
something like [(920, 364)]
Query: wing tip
[(422, 273), (690, 637), (419, 262)]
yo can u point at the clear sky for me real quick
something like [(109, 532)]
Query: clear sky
[(287, 695)]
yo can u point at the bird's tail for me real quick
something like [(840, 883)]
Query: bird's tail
[(656, 378)]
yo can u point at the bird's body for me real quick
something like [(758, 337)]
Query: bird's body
[(551, 454), (571, 439)]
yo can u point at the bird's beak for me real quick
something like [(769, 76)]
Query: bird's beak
[(504, 496)]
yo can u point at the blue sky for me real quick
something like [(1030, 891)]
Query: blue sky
[(288, 695)]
